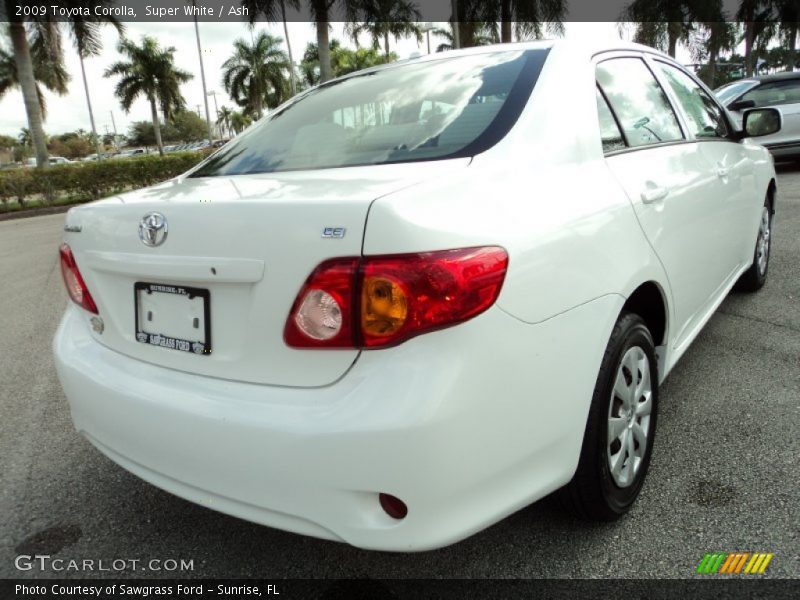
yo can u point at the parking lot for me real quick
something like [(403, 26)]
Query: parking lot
[(724, 475)]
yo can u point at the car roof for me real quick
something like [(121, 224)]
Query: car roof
[(785, 76), (583, 48), (777, 77)]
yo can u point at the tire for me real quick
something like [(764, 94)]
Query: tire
[(755, 277), (607, 483)]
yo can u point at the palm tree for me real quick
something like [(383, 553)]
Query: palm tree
[(788, 28), (255, 74), (149, 72), (86, 36), (758, 20), (24, 137), (273, 11), (711, 40), (471, 33), (528, 17), (46, 37), (320, 12), (224, 119), (240, 121), (343, 61), (383, 18), (309, 66), (663, 23), (43, 59), (48, 73)]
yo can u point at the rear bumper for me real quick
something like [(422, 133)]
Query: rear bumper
[(464, 433)]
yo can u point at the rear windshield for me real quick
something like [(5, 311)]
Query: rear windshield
[(446, 108), (726, 93)]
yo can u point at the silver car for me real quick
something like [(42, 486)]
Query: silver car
[(781, 91)]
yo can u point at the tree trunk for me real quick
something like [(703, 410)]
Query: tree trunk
[(325, 71), (792, 47), (505, 22), (292, 75), (96, 139), (672, 37), (386, 43), (749, 35), (156, 127), (27, 83), (467, 34), (712, 68)]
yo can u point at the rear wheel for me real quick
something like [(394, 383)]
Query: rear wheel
[(755, 277), (618, 440)]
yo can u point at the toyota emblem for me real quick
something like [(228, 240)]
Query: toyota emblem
[(153, 229)]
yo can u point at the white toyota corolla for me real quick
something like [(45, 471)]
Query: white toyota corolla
[(418, 298)]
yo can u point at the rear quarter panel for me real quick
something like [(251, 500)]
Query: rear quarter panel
[(545, 194)]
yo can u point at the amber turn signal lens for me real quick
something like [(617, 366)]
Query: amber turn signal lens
[(384, 306)]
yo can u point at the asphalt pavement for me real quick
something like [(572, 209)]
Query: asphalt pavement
[(724, 476)]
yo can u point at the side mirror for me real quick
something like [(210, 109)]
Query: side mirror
[(742, 104), (761, 121)]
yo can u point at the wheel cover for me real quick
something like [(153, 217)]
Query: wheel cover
[(762, 244), (629, 417)]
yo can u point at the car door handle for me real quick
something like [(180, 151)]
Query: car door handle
[(654, 194)]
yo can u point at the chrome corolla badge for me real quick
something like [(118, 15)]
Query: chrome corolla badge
[(153, 229)]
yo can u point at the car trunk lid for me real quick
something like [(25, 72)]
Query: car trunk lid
[(236, 253)]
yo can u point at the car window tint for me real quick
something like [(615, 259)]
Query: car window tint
[(610, 135), (728, 92), (637, 99), (409, 111), (776, 92), (705, 117)]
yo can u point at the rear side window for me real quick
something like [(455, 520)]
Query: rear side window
[(775, 93), (705, 117), (641, 106), (610, 135)]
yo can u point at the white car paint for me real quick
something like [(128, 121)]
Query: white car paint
[(466, 424)]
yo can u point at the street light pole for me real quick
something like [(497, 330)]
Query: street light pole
[(216, 108), (116, 137), (289, 48), (202, 75), (91, 112), (426, 27)]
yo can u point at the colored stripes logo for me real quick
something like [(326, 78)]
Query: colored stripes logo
[(734, 563)]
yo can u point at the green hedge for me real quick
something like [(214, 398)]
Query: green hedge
[(92, 180)]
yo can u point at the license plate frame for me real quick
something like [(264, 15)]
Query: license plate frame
[(201, 347)]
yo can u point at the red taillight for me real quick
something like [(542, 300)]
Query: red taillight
[(416, 293), (384, 300), (76, 288)]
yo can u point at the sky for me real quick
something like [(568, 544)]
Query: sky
[(69, 112)]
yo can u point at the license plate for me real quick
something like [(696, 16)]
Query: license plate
[(175, 317)]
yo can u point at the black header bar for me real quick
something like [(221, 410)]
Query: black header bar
[(428, 10)]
